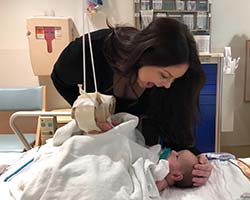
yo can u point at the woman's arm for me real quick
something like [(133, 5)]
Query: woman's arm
[(68, 69)]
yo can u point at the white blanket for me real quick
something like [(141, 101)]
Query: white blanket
[(81, 171), (226, 183), (106, 166)]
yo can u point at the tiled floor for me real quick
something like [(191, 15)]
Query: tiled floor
[(238, 151)]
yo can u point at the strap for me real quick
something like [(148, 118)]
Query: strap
[(86, 19)]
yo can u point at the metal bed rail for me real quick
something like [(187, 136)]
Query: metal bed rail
[(18, 133)]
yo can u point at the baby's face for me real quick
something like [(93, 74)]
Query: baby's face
[(178, 159)]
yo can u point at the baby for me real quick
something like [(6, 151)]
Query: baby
[(180, 170)]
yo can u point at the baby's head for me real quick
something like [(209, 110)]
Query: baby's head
[(181, 164)]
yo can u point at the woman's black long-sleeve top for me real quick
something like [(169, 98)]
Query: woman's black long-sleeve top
[(68, 73)]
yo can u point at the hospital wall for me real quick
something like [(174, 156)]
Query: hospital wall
[(230, 26)]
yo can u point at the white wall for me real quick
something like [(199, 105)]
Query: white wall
[(230, 26), (15, 64), (13, 15), (230, 18), (15, 67)]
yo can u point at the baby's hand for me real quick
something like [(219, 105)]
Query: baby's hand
[(116, 122), (161, 185), (104, 126)]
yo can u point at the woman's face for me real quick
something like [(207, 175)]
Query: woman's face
[(149, 76)]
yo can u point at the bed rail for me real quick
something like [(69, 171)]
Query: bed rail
[(18, 133)]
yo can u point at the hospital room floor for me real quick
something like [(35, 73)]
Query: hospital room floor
[(238, 151)]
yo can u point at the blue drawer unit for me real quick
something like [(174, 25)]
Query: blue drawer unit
[(206, 129)]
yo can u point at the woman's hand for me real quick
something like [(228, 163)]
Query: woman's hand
[(201, 171)]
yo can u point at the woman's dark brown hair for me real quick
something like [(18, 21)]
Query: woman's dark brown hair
[(163, 43)]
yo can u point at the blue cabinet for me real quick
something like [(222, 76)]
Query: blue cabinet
[(207, 130)]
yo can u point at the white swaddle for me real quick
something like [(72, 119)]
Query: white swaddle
[(127, 120), (90, 108)]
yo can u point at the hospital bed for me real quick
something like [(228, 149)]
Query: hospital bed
[(226, 182)]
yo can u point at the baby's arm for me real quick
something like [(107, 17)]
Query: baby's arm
[(160, 172), (161, 185)]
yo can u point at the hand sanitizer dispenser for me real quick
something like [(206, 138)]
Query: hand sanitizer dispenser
[(47, 37)]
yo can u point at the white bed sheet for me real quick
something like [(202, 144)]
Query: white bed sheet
[(20, 162), (227, 182), (9, 158)]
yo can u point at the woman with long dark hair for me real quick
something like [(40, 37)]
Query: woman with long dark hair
[(154, 73)]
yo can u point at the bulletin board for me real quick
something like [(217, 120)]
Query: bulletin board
[(247, 73)]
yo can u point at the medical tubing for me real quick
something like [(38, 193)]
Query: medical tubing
[(225, 157), (244, 163), (240, 167)]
